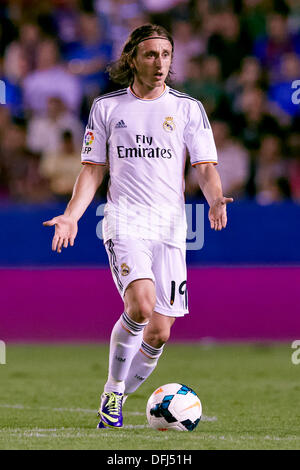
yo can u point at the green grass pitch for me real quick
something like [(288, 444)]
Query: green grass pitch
[(250, 395)]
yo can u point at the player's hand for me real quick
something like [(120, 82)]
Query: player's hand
[(65, 231), (217, 213)]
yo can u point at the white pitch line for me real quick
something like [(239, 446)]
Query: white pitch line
[(84, 410), (71, 410), (78, 432), (207, 437)]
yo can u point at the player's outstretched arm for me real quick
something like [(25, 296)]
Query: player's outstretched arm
[(66, 225), (210, 184)]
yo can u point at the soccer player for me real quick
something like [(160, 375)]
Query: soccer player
[(142, 133)]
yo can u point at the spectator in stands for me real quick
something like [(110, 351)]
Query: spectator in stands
[(254, 119), (50, 79), (233, 165), (44, 132), (293, 146), (66, 15), (253, 18), (164, 12), (119, 17), (271, 172), (5, 123), (89, 56), (250, 124), (61, 168), (277, 42), (5, 120), (200, 14), (21, 167), (249, 76), (159, 6), (20, 55), (186, 45), (7, 29), (229, 43), (293, 15), (203, 82)]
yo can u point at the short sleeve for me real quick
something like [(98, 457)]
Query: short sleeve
[(94, 141), (199, 137)]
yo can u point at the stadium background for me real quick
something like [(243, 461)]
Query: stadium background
[(240, 58)]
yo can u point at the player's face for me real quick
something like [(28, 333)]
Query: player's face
[(152, 62)]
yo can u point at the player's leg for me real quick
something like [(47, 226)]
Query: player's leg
[(131, 268), (125, 339), (127, 333), (156, 334), (169, 269)]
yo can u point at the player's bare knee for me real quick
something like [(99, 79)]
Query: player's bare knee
[(140, 310), (158, 337), (163, 337)]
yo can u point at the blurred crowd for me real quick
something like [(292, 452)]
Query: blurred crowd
[(239, 57)]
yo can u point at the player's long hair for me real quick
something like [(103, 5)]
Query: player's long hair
[(121, 70)]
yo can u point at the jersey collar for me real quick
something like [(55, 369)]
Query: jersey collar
[(165, 90)]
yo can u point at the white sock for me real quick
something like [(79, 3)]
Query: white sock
[(126, 338), (143, 364)]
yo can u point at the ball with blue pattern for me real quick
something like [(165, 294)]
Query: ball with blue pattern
[(174, 406)]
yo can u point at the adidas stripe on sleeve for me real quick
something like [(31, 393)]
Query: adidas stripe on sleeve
[(199, 137)]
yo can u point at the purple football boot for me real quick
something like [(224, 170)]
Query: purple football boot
[(110, 410)]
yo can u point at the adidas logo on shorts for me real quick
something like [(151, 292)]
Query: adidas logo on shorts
[(121, 124)]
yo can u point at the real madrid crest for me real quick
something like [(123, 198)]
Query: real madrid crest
[(125, 270), (169, 124)]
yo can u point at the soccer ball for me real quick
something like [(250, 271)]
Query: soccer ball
[(174, 406)]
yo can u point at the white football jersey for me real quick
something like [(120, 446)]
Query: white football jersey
[(144, 143)]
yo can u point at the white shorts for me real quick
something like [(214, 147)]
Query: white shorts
[(165, 264)]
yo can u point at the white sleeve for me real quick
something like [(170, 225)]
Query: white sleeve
[(94, 141), (199, 137)]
